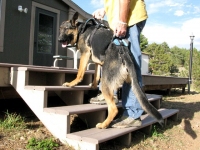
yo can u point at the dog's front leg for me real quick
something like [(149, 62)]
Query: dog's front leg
[(81, 71), (96, 75)]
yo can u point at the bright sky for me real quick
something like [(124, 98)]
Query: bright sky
[(170, 21)]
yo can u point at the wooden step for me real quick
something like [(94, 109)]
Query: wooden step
[(50, 76), (153, 97), (85, 108), (155, 100), (96, 136), (77, 109), (50, 69), (59, 88), (8, 65), (91, 113)]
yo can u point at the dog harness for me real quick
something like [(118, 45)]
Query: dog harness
[(94, 22)]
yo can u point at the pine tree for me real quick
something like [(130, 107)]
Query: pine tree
[(143, 42), (196, 69), (160, 59)]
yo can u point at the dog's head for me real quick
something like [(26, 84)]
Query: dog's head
[(69, 31)]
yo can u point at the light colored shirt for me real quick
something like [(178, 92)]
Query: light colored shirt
[(137, 13)]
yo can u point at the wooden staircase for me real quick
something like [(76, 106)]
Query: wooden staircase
[(36, 84)]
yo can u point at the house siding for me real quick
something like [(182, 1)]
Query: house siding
[(16, 33), (17, 29)]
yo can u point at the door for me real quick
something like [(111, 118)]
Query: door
[(44, 37)]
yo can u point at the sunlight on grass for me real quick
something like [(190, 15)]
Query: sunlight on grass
[(45, 144), (156, 133), (12, 121)]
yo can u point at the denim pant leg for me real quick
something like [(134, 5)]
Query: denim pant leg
[(130, 103)]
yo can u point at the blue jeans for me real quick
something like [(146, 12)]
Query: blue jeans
[(130, 103)]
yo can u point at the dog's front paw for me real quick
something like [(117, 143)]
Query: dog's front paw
[(66, 84), (93, 86), (72, 83), (101, 126)]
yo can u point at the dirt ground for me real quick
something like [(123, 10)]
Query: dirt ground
[(177, 135)]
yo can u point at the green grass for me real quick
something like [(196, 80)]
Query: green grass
[(156, 132), (45, 144), (12, 121)]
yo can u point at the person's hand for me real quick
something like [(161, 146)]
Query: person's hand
[(120, 29), (99, 13)]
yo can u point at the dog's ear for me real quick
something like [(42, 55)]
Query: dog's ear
[(75, 17)]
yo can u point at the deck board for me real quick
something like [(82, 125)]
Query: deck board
[(84, 108), (59, 88)]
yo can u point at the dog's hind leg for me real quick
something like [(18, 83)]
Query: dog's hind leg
[(108, 94), (81, 71)]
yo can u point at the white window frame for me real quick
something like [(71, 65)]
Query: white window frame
[(2, 23), (32, 27)]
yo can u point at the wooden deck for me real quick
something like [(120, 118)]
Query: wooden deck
[(152, 82)]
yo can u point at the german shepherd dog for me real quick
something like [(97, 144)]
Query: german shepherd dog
[(117, 64)]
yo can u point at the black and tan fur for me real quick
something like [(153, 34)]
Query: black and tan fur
[(117, 67)]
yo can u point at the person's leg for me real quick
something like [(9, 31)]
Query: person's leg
[(131, 106), (99, 99)]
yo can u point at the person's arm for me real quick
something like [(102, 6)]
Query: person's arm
[(99, 13), (121, 27), (124, 8)]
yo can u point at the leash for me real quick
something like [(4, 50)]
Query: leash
[(123, 46), (119, 41)]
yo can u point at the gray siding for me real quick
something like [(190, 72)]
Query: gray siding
[(16, 33), (17, 30)]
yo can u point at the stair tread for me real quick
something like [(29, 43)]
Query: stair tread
[(51, 69), (58, 88), (97, 136), (78, 109), (153, 97)]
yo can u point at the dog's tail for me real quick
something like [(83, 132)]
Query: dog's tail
[(145, 104), (140, 95)]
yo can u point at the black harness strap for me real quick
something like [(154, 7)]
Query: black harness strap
[(94, 22), (93, 32)]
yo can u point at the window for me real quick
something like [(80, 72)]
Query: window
[(46, 33)]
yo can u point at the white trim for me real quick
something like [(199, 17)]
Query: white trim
[(2, 24), (32, 27), (77, 9)]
